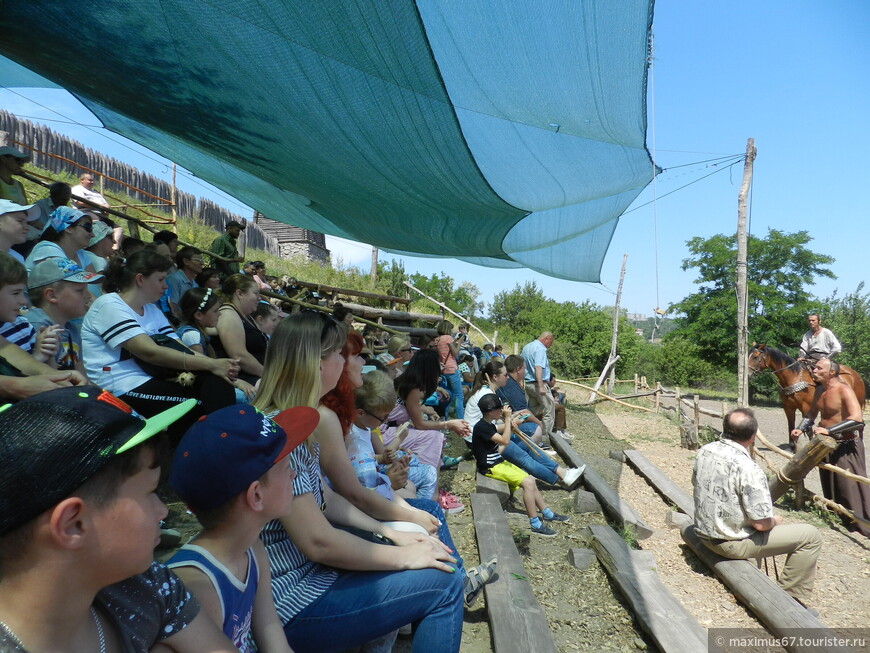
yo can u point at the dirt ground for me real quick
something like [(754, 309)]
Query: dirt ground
[(843, 567), (584, 608)]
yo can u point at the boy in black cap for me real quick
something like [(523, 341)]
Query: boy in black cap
[(78, 524), (232, 470), (487, 442)]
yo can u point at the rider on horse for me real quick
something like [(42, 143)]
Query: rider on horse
[(817, 343)]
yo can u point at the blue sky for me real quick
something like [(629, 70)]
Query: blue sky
[(795, 76)]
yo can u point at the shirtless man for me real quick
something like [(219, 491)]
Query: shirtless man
[(842, 419)]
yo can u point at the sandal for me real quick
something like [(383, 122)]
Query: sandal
[(477, 578), (448, 462)]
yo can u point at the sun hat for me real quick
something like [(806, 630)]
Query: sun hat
[(64, 216), (8, 150), (54, 441), (227, 450), (51, 270), (31, 210), (101, 230)]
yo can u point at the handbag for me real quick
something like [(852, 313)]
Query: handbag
[(184, 378)]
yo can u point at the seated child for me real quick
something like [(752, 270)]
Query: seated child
[(375, 399), (23, 374), (78, 524), (232, 470), (58, 290), (487, 441)]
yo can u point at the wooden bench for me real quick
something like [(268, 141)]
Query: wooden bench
[(517, 621), (657, 610), (617, 509)]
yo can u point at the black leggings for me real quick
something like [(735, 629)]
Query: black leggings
[(157, 395)]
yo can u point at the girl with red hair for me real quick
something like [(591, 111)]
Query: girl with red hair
[(337, 410)]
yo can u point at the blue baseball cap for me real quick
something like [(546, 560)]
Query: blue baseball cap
[(227, 450)]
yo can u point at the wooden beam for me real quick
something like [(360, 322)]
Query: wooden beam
[(801, 464), (452, 312), (608, 397), (617, 509), (657, 610), (670, 491), (778, 611), (517, 621), (385, 313)]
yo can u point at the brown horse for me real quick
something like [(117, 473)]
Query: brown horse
[(796, 383)]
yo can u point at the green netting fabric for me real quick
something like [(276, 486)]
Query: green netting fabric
[(501, 132)]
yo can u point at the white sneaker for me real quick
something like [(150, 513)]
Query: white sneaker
[(573, 477)]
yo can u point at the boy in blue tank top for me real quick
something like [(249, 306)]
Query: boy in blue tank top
[(233, 471)]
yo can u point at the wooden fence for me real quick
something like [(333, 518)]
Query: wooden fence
[(60, 154)]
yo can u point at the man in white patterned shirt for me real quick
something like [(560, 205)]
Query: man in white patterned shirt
[(734, 513)]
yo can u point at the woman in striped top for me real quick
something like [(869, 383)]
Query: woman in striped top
[(332, 589)]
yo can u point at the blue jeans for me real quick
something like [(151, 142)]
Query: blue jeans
[(537, 464), (364, 605), (454, 383)]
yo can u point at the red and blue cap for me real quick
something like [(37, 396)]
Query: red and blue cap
[(227, 450)]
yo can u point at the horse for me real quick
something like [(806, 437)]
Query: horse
[(797, 386)]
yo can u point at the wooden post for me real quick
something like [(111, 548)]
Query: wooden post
[(657, 396), (636, 384), (724, 409), (696, 403), (172, 191), (801, 464), (516, 349), (615, 330), (373, 273), (742, 298)]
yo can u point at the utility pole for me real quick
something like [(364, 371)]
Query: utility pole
[(172, 198), (615, 331), (742, 299), (373, 273)]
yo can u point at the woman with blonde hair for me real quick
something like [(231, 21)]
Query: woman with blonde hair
[(237, 334), (324, 600)]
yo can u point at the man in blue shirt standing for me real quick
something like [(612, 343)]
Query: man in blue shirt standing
[(539, 379)]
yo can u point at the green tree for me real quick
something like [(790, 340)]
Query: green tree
[(391, 280), (518, 310), (780, 267), (462, 298), (582, 331)]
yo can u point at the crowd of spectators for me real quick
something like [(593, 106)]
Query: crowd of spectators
[(159, 337)]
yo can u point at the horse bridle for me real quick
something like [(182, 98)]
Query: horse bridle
[(766, 356)]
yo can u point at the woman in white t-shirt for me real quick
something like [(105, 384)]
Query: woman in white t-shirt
[(66, 235), (119, 326)]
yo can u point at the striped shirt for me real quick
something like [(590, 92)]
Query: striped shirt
[(109, 323), (20, 333), (297, 581)]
